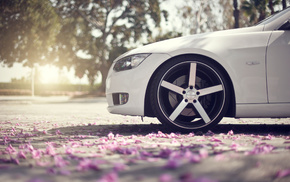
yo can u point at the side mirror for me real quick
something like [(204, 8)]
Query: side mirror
[(285, 26)]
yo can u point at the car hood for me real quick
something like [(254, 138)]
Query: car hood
[(192, 41)]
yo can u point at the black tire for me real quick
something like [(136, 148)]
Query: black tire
[(189, 94)]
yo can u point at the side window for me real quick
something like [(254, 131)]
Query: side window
[(285, 26)]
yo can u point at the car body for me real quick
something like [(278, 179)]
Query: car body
[(190, 83)]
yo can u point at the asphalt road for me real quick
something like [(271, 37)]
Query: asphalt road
[(62, 139)]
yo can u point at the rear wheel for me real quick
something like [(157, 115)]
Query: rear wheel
[(189, 94)]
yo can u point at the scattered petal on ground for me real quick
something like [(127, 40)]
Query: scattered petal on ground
[(166, 178), (283, 173), (109, 153)]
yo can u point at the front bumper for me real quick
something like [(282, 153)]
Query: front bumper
[(126, 90)]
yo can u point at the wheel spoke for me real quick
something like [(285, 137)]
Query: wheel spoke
[(172, 87), (192, 75), (178, 110), (201, 111), (210, 90)]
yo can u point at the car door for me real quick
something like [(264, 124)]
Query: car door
[(278, 65)]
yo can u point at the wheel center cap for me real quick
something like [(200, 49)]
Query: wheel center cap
[(190, 94)]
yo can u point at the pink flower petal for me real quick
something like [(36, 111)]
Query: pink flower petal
[(42, 164), (64, 172), (69, 150), (60, 162), (110, 177), (111, 136), (21, 155), (15, 161), (138, 141), (209, 133), (191, 135), (220, 157), (50, 150), (214, 139), (261, 149), (283, 173), (58, 132), (195, 158), (166, 178), (187, 177), (231, 133), (165, 153), (173, 164), (203, 153), (51, 171), (234, 146), (87, 164), (119, 167), (36, 154), (269, 137), (10, 149), (200, 140)]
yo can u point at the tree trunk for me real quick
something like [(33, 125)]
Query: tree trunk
[(92, 81), (284, 4), (271, 6), (262, 16), (32, 80), (104, 71), (236, 14)]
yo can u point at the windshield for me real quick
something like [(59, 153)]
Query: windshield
[(273, 17)]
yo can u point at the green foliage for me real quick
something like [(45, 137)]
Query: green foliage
[(165, 36), (102, 30), (257, 10), (20, 80), (27, 31), (203, 16)]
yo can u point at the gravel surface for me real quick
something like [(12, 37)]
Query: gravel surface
[(62, 139)]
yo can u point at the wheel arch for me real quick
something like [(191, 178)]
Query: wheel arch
[(232, 106)]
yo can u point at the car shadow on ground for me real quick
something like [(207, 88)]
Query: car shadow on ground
[(144, 129), (261, 129)]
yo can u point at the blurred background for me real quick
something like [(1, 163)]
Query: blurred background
[(66, 47)]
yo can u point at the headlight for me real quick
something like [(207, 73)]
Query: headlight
[(130, 62)]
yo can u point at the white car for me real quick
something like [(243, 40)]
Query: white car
[(190, 83)]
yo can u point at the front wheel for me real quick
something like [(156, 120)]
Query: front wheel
[(189, 94)]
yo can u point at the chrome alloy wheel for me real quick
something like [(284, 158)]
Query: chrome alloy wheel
[(190, 95)]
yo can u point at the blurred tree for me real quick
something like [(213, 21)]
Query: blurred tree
[(27, 31), (165, 36), (257, 10), (63, 79), (271, 6), (20, 80), (205, 16), (228, 19), (95, 32)]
